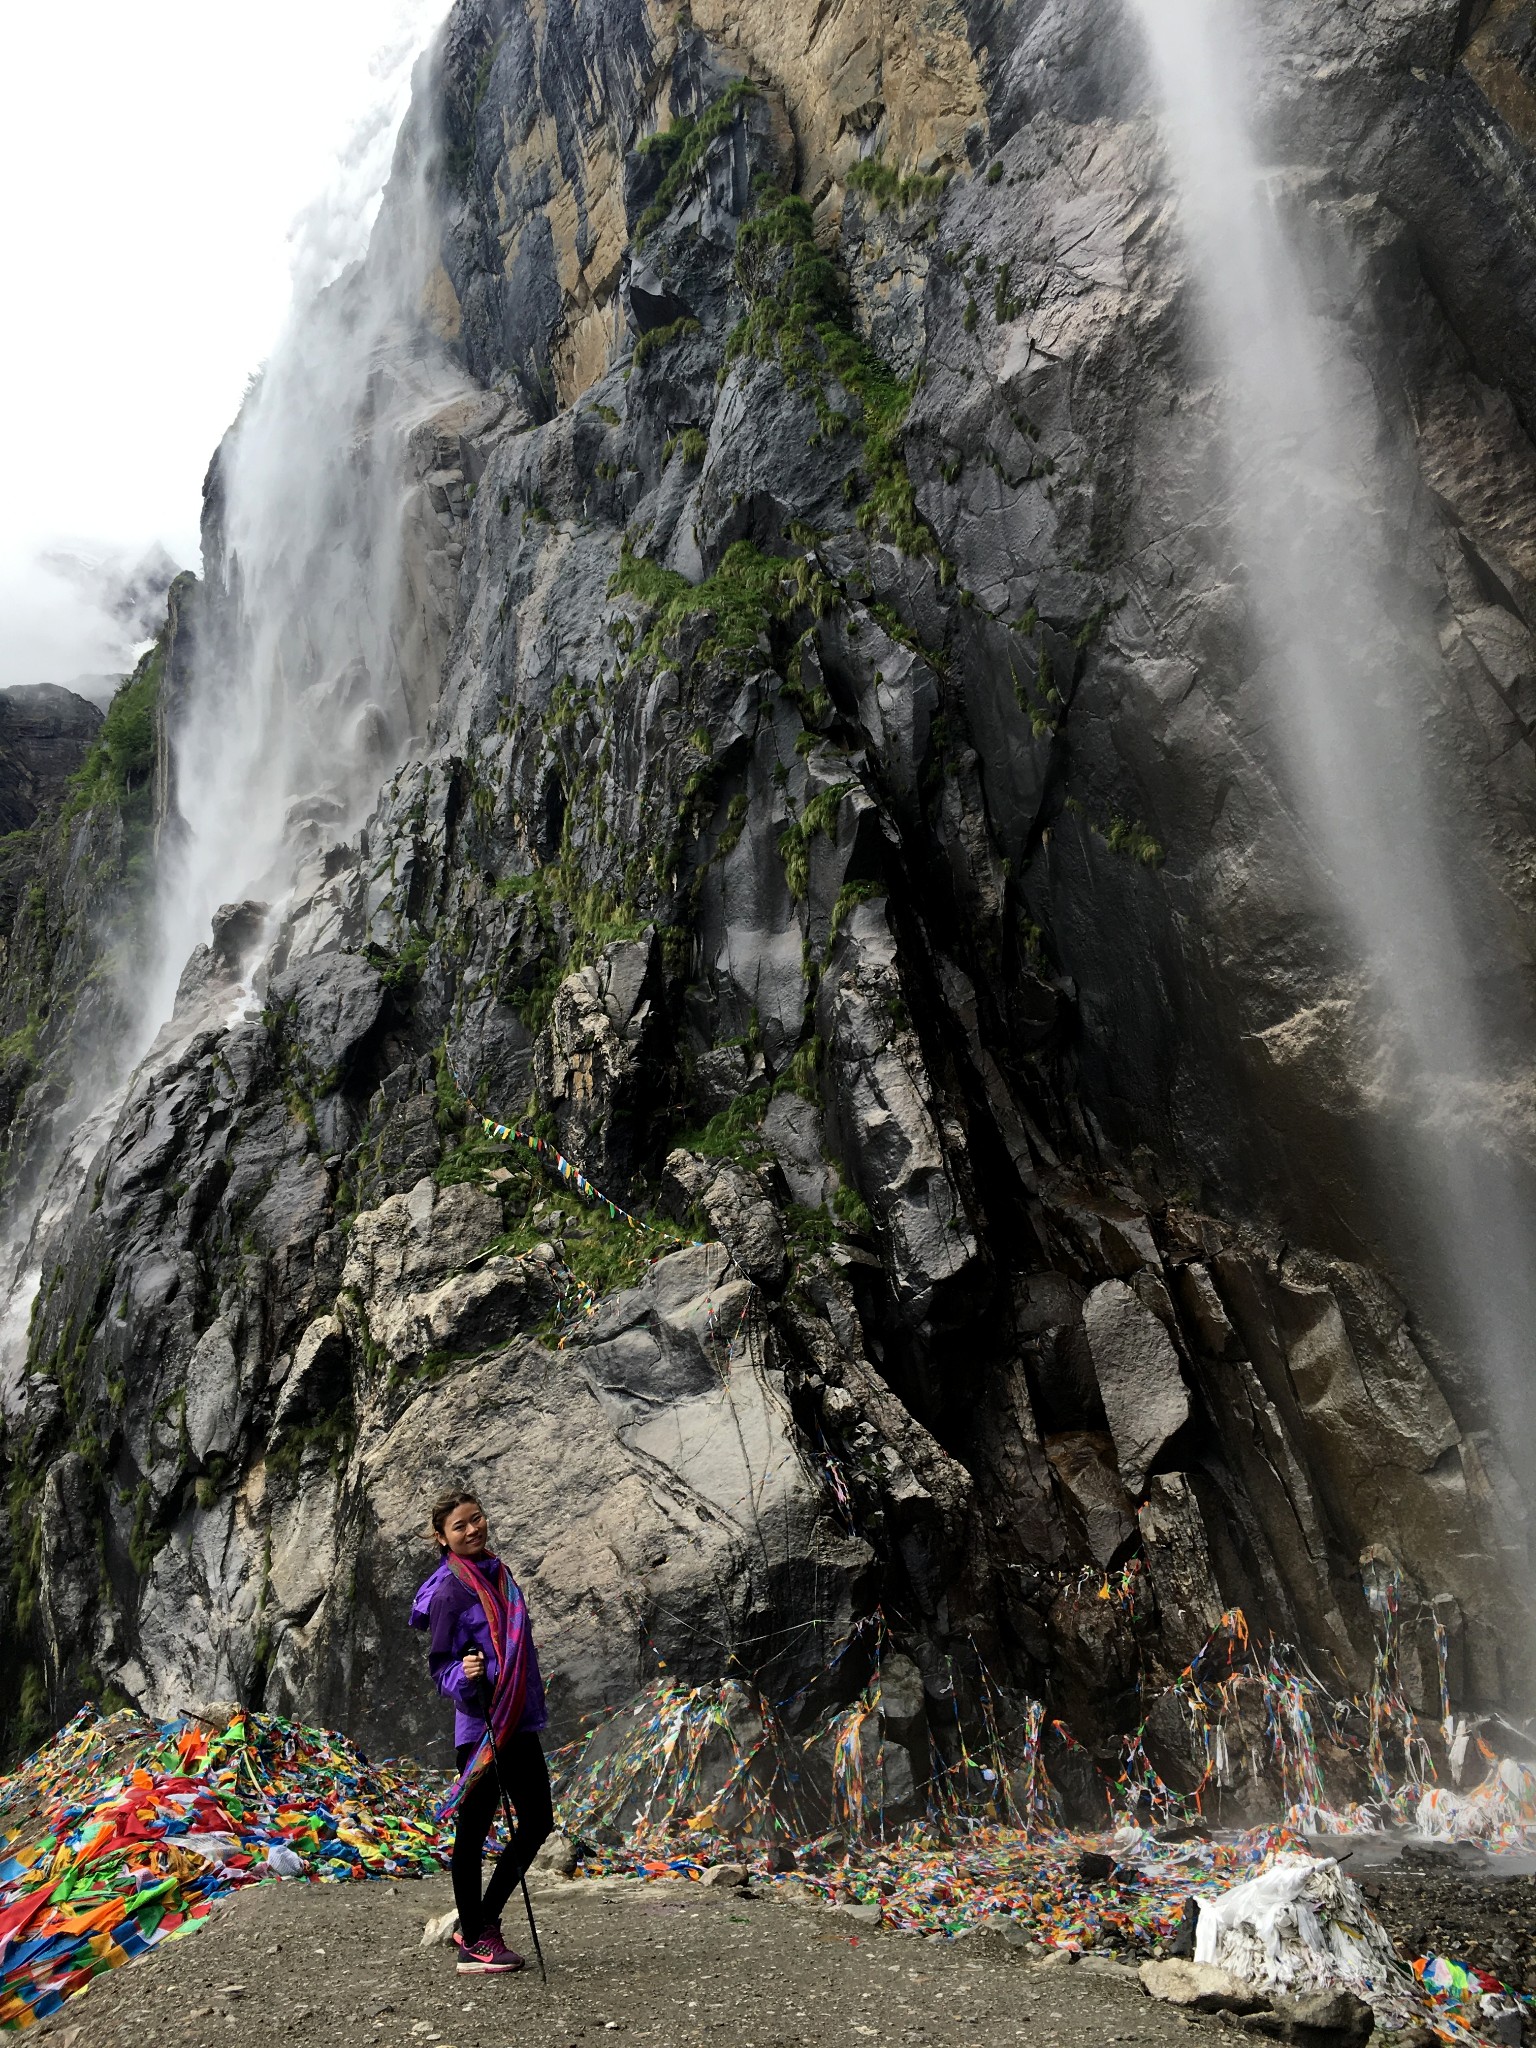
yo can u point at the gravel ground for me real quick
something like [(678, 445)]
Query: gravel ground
[(342, 1965), (1489, 1922)]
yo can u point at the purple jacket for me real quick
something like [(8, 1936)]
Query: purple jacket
[(457, 1622)]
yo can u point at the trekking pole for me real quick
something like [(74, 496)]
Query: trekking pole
[(510, 1819)]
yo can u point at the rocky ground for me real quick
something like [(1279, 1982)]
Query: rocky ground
[(1434, 1909), (344, 1965)]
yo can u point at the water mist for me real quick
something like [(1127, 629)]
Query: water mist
[(316, 671), (1345, 677), (310, 673)]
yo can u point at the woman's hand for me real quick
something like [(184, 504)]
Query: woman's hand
[(474, 1665)]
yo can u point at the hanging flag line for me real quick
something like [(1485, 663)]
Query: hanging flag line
[(514, 1134)]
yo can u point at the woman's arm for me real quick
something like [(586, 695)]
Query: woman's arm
[(451, 1645)]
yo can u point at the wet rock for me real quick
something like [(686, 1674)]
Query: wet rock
[(45, 734), (953, 876), (590, 1063), (328, 1006), (236, 929), (213, 1410), (319, 1377), (793, 1131)]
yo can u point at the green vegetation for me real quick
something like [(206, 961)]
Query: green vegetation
[(330, 1437), (121, 764), (746, 592), (810, 1231), (803, 1074), (484, 69), (691, 444), (22, 1501), (607, 415), (819, 815), (655, 339), (853, 1210), (735, 818), (601, 1251), (145, 1539), (1040, 702), (403, 971), (849, 897), (20, 1049), (995, 171), (1131, 838), (798, 316), (732, 1133), (684, 146), (32, 1719), (875, 179)]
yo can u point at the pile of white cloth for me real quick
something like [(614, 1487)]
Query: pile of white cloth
[(1301, 1925)]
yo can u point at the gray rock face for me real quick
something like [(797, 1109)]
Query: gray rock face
[(329, 1003), (1139, 1380), (851, 833), (1179, 1564), (45, 734)]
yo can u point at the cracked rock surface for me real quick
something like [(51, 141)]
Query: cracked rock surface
[(839, 822)]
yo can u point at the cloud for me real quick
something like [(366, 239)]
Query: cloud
[(215, 154), (79, 614)]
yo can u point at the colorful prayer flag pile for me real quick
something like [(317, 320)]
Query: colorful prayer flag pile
[(121, 1833)]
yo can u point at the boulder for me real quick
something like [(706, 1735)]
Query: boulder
[(1145, 1398), (1331, 2018), (558, 1856), (1200, 1987), (1084, 1467), (747, 1224)]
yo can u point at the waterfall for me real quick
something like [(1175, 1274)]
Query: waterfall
[(309, 674), (1347, 681)]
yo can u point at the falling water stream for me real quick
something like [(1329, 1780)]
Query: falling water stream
[(301, 699), (1346, 676), (300, 696)]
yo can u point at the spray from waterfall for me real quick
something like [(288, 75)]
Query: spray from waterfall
[(310, 673), (313, 672), (1347, 681)]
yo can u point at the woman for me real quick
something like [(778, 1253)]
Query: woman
[(482, 1657)]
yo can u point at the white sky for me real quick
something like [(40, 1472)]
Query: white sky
[(155, 159)]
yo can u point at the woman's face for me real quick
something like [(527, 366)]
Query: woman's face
[(466, 1532)]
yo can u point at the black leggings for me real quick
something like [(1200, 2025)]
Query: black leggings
[(526, 1778)]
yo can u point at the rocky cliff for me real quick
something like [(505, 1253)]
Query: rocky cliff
[(841, 822)]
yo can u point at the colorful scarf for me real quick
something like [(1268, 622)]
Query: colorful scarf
[(506, 1617)]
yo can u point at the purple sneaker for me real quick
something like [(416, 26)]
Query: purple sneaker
[(489, 1956)]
